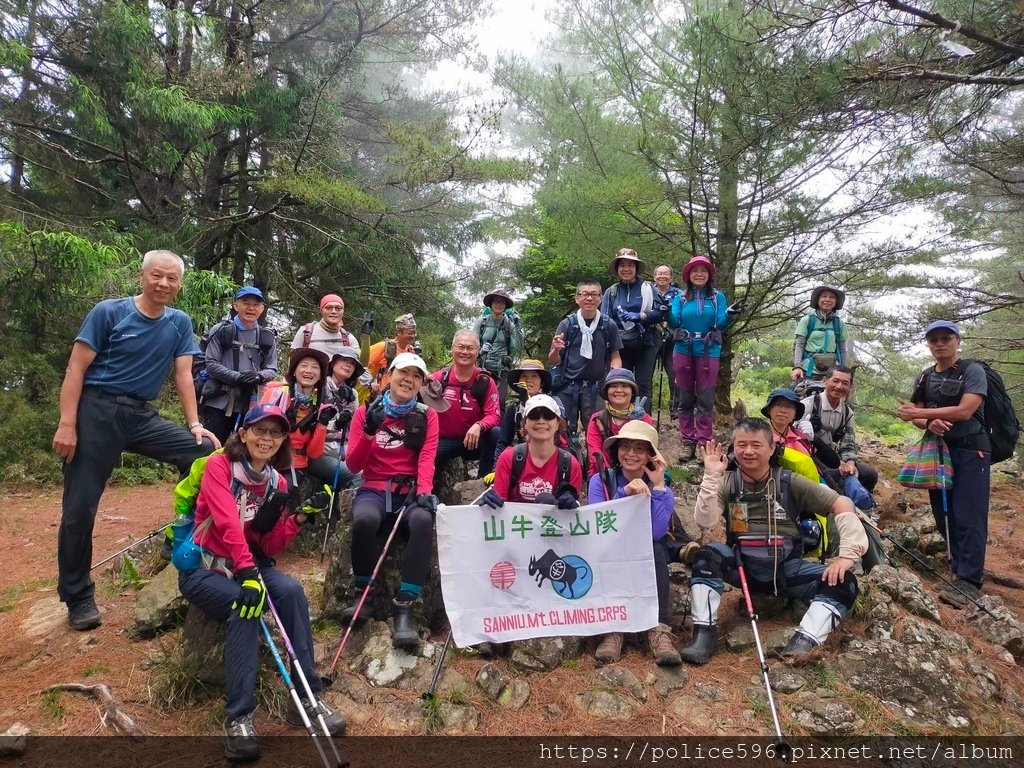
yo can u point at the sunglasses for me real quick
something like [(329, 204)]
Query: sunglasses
[(541, 413)]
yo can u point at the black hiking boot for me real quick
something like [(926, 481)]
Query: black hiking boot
[(405, 634), (960, 594), (703, 646), (350, 611), (240, 741), (799, 645), (84, 615)]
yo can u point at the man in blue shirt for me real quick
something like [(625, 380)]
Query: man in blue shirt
[(119, 362)]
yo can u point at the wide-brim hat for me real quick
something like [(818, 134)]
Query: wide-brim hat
[(840, 296), (633, 430), (619, 376), (626, 254), (699, 261), (348, 353), (432, 394), (783, 393), (531, 366), (499, 294), (298, 355)]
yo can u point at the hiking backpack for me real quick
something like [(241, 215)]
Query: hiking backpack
[(519, 454), (572, 330), (815, 419), (348, 338), (478, 389), (227, 334)]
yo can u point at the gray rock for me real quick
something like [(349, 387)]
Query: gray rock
[(202, 643), (153, 659), (708, 692), (917, 681), (45, 617), (553, 711), (515, 695), (14, 740), (159, 605), (458, 718), (405, 717), (740, 638), (492, 681), (913, 631), (699, 718), (543, 654), (619, 679), (825, 717), (605, 705), (905, 588), (906, 536), (932, 543), (1006, 630), (785, 680), (668, 679), (776, 639), (985, 679)]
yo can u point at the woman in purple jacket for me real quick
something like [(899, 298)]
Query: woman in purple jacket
[(639, 469)]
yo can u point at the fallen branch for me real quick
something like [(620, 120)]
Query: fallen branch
[(1004, 580), (109, 710)]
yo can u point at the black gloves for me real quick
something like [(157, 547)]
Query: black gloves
[(344, 419), (327, 414), (344, 395), (249, 378), (428, 501), (318, 502), (735, 308), (254, 595), (548, 499), (491, 499), (367, 327), (375, 415), (567, 499)]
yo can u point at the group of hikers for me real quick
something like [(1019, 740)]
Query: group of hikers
[(376, 418)]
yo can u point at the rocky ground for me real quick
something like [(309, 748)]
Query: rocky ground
[(903, 664)]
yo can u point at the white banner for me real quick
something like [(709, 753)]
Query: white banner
[(531, 570)]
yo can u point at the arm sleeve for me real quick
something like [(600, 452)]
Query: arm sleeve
[(518, 340), (708, 509), (214, 367), (96, 327), (595, 490), (663, 505), (503, 473), (675, 313), (655, 314), (428, 455), (848, 445), (477, 325), (506, 434), (798, 351), (594, 442), (317, 441), (723, 318), (270, 363), (359, 444), (606, 301), (492, 406), (576, 476), (616, 340), (853, 540), (843, 347), (215, 494)]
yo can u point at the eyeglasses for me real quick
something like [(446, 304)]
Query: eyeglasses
[(274, 432), (625, 447), (466, 347), (333, 308), (588, 294)]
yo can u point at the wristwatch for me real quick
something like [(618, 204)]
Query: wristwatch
[(194, 424)]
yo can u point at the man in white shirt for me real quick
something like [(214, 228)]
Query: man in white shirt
[(328, 335)]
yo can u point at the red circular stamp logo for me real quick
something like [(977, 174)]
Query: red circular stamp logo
[(503, 575)]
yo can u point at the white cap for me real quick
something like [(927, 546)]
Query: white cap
[(409, 360), (541, 401)]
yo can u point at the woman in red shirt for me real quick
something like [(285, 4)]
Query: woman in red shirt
[(784, 410), (618, 391), (393, 442), (240, 525)]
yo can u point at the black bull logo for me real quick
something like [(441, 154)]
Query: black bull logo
[(551, 566)]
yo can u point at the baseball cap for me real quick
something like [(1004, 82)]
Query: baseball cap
[(942, 325), (538, 402), (409, 360), (249, 290), (263, 412)]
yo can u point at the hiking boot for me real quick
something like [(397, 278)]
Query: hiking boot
[(84, 615), (350, 611), (609, 650), (336, 723), (689, 451), (240, 741), (960, 594), (485, 650), (798, 645), (405, 634), (703, 646), (659, 640)]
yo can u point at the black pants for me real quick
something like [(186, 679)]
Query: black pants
[(665, 353), (218, 422), (661, 561), (370, 528), (640, 359), (827, 456), (105, 430), (449, 448)]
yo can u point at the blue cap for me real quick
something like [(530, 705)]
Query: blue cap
[(942, 325), (249, 290), (265, 412)]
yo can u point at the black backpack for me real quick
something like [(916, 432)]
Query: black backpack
[(519, 464), (228, 337), (1000, 422), (478, 389), (815, 419), (572, 330)]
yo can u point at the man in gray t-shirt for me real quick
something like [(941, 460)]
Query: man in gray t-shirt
[(585, 346)]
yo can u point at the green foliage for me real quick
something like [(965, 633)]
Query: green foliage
[(128, 574), (53, 704)]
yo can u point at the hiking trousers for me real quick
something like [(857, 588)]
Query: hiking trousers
[(213, 593), (107, 426), (580, 400), (371, 525), (966, 512), (695, 389), (449, 448)]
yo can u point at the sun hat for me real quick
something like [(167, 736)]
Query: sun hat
[(633, 430), (783, 393), (626, 254)]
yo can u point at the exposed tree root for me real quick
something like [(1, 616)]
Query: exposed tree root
[(110, 712)]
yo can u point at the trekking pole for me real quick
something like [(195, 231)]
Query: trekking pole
[(928, 567), (334, 492), (598, 458), (145, 538), (781, 746), (430, 694), (291, 690), (661, 387), (313, 699), (366, 589)]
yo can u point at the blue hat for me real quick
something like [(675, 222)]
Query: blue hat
[(262, 412), (249, 290), (942, 325), (619, 376), (783, 393)]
